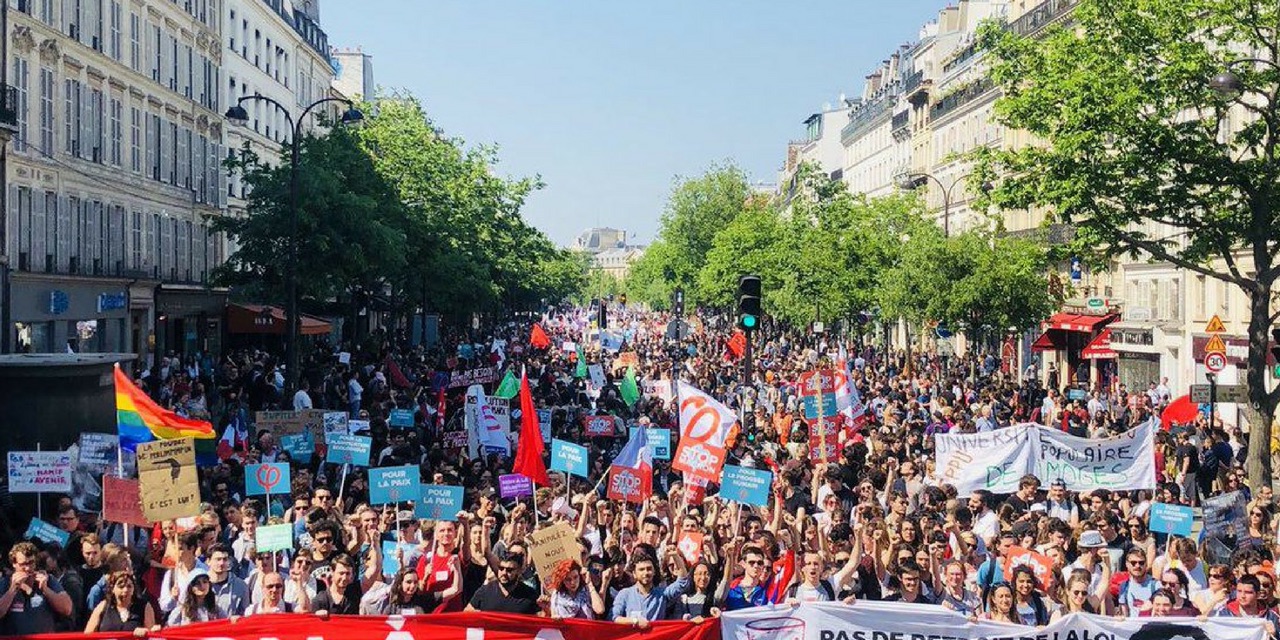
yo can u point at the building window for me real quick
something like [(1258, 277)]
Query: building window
[(21, 78), (135, 139), (117, 132), (135, 245), (96, 129), (135, 42), (46, 110), (117, 17)]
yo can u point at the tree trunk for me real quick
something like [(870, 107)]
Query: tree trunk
[(1262, 407)]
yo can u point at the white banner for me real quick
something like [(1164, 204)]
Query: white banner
[(704, 428), (485, 427), (996, 460), (867, 620)]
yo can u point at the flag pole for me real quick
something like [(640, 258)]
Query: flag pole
[(128, 537)]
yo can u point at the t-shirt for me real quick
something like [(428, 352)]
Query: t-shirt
[(521, 599), (29, 614), (1134, 594), (350, 604)]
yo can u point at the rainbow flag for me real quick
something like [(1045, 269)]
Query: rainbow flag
[(139, 419)]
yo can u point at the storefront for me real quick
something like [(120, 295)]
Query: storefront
[(1138, 356), (189, 319), (252, 325), (1062, 344), (56, 314)]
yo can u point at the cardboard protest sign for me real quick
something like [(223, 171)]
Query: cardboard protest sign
[(41, 530), (569, 458), (394, 484), (274, 537), (552, 545), (1172, 518), (265, 479), (454, 440), (122, 501), (514, 485), (348, 449), (746, 485), (281, 423), (39, 472), (167, 472), (439, 502), (624, 360)]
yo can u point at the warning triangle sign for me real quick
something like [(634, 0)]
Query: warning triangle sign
[(1215, 325), (1215, 345)]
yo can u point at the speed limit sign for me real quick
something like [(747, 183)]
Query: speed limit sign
[(1215, 362)]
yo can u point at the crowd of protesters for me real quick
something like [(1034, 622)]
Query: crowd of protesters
[(874, 523)]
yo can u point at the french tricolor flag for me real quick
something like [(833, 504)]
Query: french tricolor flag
[(631, 475)]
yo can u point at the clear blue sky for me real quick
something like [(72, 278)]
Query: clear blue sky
[(610, 100)]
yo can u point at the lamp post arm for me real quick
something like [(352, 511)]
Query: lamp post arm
[(297, 128)]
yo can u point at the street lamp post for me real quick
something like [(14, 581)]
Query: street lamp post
[(908, 182), (239, 116)]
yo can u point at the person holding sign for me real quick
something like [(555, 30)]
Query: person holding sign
[(123, 609)]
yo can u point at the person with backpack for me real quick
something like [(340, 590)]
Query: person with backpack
[(812, 587)]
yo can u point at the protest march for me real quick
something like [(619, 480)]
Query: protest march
[(548, 477)]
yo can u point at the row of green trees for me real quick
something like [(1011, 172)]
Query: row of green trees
[(395, 205), (826, 253)]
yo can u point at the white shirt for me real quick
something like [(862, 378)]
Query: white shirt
[(987, 526), (301, 400)]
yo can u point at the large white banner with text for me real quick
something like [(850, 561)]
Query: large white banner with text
[(996, 460), (866, 620)]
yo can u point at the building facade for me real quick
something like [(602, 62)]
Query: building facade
[(113, 172), (354, 77)]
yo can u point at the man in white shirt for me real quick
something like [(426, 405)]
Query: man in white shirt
[(302, 399), (986, 524)]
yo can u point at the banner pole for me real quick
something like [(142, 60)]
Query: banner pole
[(342, 484), (39, 497), (128, 533), (534, 498)]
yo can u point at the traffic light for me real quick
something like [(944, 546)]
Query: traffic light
[(604, 315), (677, 302), (749, 303)]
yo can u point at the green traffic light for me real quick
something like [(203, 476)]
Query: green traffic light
[(749, 321)]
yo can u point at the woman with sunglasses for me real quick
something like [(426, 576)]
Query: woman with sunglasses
[(1079, 599), (1174, 582), (1260, 531), (1218, 592), (1182, 555)]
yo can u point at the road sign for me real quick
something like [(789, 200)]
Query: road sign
[(1215, 345), (1215, 362), (1215, 325), (1226, 393), (818, 327)]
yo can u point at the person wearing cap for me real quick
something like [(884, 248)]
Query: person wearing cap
[(198, 603), (1093, 558)]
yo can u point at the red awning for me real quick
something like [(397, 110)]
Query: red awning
[(254, 318), (1100, 347), (1076, 322), (1050, 341)]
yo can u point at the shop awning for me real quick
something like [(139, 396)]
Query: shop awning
[(1050, 341), (254, 318), (1077, 322), (1099, 348)]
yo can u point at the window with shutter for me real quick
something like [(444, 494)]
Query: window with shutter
[(25, 230), (68, 114), (21, 81), (46, 110), (11, 230), (68, 247), (86, 117), (135, 240), (53, 218), (39, 226)]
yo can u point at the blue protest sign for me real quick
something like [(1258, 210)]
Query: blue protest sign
[(300, 447), (569, 458), (272, 477), (829, 407), (400, 419), (544, 424), (390, 563), (659, 441), (394, 484), (41, 530), (346, 449), (439, 502), (1171, 518), (745, 485)]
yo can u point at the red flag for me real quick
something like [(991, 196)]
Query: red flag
[(440, 409), (529, 449), (394, 374), (538, 338), (737, 344)]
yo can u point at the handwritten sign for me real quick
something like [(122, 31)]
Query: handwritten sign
[(514, 485), (551, 545), (122, 501), (439, 502), (454, 440), (348, 449), (569, 458), (41, 530), (262, 479), (401, 419), (167, 472), (335, 422), (98, 452), (746, 485), (39, 471), (394, 484)]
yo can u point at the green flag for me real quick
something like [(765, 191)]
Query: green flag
[(581, 371), (509, 387), (630, 390)]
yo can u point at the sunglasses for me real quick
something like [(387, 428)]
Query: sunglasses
[(323, 539), (1219, 576), (508, 569), (1079, 592), (273, 586)]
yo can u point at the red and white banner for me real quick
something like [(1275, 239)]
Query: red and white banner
[(704, 429), (445, 626)]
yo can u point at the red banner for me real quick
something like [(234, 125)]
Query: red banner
[(445, 626)]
